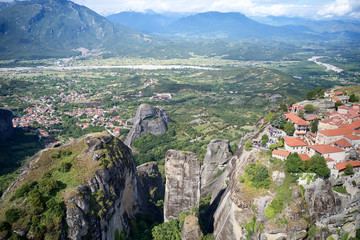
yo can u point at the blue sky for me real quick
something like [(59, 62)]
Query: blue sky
[(317, 9)]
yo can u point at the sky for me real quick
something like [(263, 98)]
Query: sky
[(317, 9)]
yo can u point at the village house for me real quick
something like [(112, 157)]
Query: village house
[(353, 139), (294, 144), (341, 166), (327, 151), (332, 135), (301, 126), (341, 98), (296, 108), (280, 154), (342, 143)]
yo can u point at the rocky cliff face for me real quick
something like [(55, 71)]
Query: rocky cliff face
[(151, 187), (191, 229), (242, 206), (332, 209), (100, 207), (144, 123), (214, 172), (182, 190), (6, 126)]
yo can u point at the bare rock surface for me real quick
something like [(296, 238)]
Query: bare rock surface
[(182, 190), (144, 123), (191, 229), (213, 171), (6, 126)]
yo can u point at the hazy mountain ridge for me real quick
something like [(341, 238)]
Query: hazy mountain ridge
[(233, 25), (57, 27)]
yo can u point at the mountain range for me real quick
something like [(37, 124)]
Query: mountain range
[(51, 28)]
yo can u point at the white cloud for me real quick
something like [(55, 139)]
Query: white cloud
[(290, 8), (340, 8), (248, 7)]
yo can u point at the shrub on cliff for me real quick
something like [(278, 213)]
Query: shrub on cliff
[(258, 175)]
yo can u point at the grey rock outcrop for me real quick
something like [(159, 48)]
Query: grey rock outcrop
[(142, 125), (151, 187), (182, 189), (191, 229), (107, 200), (239, 206), (6, 126), (213, 171), (150, 181)]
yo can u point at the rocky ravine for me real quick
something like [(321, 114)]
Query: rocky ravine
[(6, 126), (144, 123), (106, 201)]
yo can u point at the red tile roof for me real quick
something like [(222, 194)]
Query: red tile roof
[(295, 119), (281, 153), (352, 137), (342, 166), (342, 143), (337, 99), (304, 157), (323, 149), (338, 93), (310, 118), (355, 124), (294, 142), (329, 159), (343, 107), (336, 132)]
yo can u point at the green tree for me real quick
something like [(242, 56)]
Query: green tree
[(283, 107), (320, 91), (309, 108), (290, 101), (338, 104), (315, 125), (272, 146), (278, 121), (269, 116), (280, 143), (318, 165), (264, 139), (166, 231), (301, 114), (289, 128), (310, 94), (294, 163), (349, 169), (353, 98), (248, 145)]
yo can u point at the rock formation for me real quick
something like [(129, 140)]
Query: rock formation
[(150, 185), (191, 229), (182, 190), (6, 126), (99, 208), (239, 206), (142, 124), (213, 171)]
